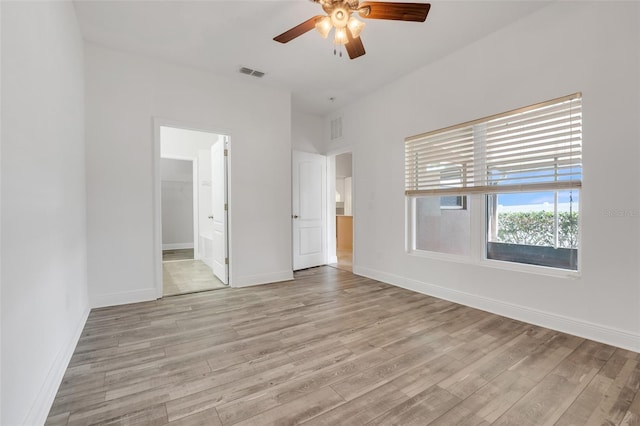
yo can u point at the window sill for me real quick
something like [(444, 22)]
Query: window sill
[(447, 257), (531, 269), (497, 264)]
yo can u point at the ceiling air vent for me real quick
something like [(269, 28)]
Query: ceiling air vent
[(336, 128), (249, 71)]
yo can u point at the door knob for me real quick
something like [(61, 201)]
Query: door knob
[(295, 216), (211, 217)]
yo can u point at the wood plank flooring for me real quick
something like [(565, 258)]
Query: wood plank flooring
[(333, 348), (345, 260)]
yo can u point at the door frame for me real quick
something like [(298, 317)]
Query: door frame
[(224, 140), (158, 122), (332, 254)]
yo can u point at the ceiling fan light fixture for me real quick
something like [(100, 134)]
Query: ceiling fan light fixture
[(341, 36), (340, 17), (355, 26), (323, 25), (347, 27)]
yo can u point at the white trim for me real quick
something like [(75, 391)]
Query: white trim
[(123, 297), (330, 235), (157, 208), (229, 207), (341, 150), (1, 209), (195, 188), (177, 246), (273, 277), (532, 269), (39, 411), (588, 330)]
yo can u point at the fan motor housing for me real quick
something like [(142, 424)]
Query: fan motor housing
[(340, 17)]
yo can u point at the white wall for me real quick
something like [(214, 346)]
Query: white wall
[(566, 47), (176, 170), (1, 133), (124, 93), (344, 165), (307, 132), (44, 291), (177, 203), (184, 143)]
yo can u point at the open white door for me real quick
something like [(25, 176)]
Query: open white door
[(219, 209), (309, 177)]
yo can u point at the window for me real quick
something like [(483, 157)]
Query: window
[(439, 228), (521, 170), (453, 202), (536, 228)]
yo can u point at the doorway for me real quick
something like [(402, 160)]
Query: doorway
[(309, 209), (343, 211), (191, 210)]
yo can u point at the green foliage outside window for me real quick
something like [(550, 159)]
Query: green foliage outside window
[(537, 229)]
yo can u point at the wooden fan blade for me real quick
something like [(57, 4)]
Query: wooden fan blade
[(416, 12), (298, 30), (355, 48)]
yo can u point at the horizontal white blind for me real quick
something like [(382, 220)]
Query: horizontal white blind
[(442, 160), (529, 149)]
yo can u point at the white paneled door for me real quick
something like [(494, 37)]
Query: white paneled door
[(219, 209), (309, 209)]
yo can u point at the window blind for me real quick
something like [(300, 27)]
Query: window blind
[(533, 148)]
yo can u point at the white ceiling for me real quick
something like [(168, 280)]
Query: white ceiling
[(222, 36)]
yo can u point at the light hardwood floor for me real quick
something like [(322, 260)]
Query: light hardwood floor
[(345, 260), (333, 348)]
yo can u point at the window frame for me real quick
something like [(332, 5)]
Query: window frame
[(477, 202)]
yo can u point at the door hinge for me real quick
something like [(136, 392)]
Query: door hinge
[(226, 260), (226, 206), (226, 152)]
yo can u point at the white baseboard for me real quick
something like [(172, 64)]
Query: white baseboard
[(40, 410), (123, 297), (611, 336), (177, 246), (249, 280)]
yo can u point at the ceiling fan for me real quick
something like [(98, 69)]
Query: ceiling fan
[(347, 27)]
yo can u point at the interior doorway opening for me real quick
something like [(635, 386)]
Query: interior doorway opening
[(192, 210), (179, 202), (343, 214)]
